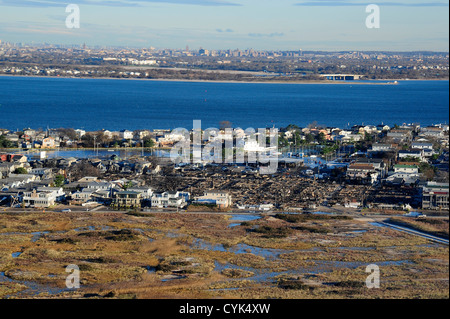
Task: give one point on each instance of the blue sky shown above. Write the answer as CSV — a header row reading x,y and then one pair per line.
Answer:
x,y
406,25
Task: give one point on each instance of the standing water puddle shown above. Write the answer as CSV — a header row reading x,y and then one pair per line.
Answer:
x,y
172,277
317,267
150,269
93,228
378,225
264,275
38,235
242,218
35,238
33,288
239,249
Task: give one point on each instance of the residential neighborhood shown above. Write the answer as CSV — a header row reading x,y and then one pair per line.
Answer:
x,y
362,166
222,157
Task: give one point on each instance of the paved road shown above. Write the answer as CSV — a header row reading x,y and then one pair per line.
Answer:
x,y
415,232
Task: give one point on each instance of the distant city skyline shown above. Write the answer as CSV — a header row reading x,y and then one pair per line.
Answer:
x,y
406,25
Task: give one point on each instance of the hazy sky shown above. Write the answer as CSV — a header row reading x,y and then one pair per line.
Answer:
x,y
406,25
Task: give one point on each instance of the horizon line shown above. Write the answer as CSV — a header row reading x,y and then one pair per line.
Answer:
x,y
235,49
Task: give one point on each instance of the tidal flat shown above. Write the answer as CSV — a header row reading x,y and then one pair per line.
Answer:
x,y
199,256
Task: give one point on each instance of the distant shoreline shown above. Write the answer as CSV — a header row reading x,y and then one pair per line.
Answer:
x,y
358,82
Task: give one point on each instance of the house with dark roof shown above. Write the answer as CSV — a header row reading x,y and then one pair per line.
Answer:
x,y
127,199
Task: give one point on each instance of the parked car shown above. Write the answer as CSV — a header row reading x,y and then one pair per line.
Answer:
x,y
415,214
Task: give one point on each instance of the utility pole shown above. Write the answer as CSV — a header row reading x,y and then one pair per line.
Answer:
x,y
95,141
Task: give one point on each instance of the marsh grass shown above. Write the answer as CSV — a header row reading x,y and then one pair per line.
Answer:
x,y
293,284
302,218
313,229
114,262
272,232
237,273
139,214
435,227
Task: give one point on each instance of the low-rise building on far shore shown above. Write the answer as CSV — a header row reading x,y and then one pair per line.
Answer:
x,y
435,196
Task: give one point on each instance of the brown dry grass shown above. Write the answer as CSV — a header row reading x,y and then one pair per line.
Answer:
x,y
120,266
438,227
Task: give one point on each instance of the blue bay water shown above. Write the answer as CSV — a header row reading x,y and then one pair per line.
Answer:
x,y
94,104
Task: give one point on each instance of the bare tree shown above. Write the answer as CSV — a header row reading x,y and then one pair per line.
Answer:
x,y
225,124
83,169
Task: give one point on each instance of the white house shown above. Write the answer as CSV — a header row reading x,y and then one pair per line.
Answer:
x,y
407,178
80,133
171,138
170,199
107,134
383,127
83,196
30,132
16,180
126,135
352,204
140,135
350,138
422,146
408,174
377,147
399,136
43,197
221,199
47,172
146,192
363,171
409,169
412,154
100,186
432,131
370,129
